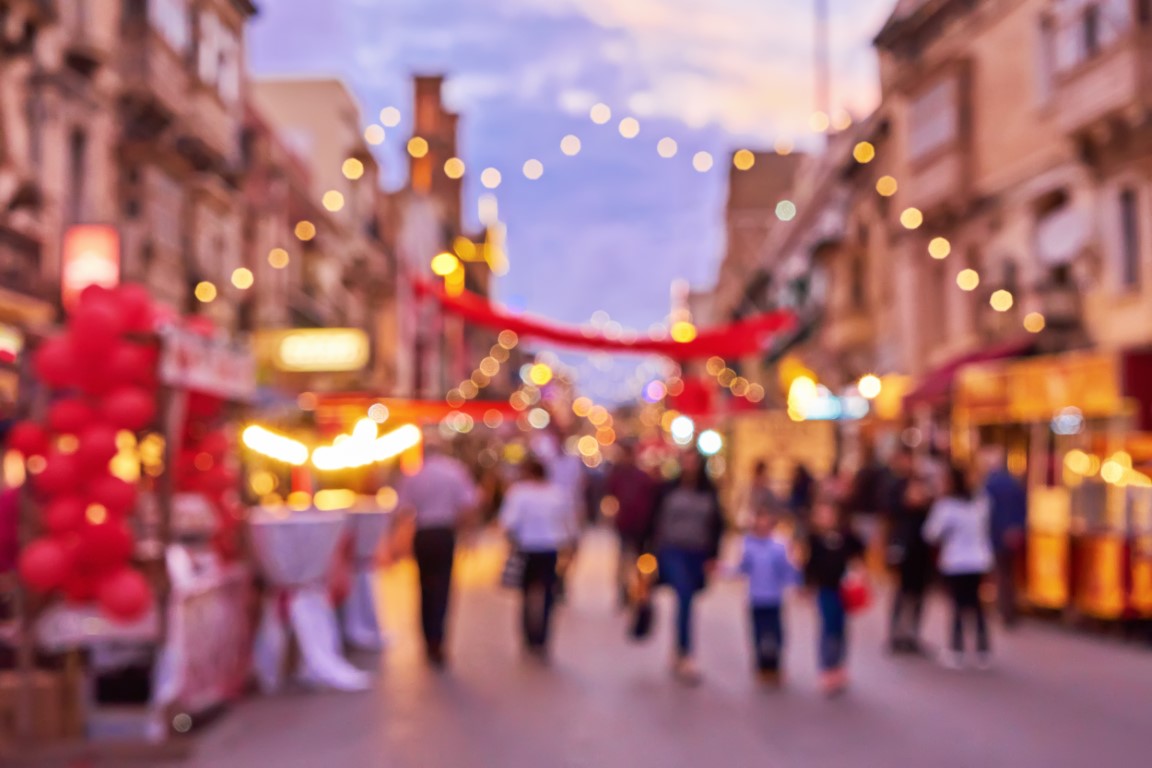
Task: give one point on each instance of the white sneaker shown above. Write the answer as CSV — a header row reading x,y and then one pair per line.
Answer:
x,y
952,660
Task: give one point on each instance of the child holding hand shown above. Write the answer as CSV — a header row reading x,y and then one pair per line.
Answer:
x,y
765,561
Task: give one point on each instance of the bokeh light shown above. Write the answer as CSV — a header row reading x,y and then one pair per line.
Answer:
x,y
886,186
533,169
667,147
242,278
911,218
870,386
784,146
819,122
374,135
629,127
939,248
600,114
205,292
418,146
785,210
305,230
444,264
1001,300
743,160
702,161
352,169
454,168
1034,322
390,117
968,279
333,201
278,258
864,152
490,178
570,145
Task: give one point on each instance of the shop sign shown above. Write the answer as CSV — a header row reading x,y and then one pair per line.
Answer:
x,y
320,350
90,256
194,362
11,342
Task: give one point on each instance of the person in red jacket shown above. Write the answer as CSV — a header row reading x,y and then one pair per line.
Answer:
x,y
635,492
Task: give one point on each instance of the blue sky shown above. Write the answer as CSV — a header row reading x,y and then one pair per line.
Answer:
x,y
613,227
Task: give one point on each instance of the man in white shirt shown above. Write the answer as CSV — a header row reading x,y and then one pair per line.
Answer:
x,y
438,497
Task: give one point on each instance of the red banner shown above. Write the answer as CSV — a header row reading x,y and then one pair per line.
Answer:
x,y
734,341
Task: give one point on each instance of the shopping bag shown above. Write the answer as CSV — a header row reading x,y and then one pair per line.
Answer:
x,y
512,576
855,592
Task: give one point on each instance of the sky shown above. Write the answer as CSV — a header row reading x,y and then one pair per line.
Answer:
x,y
611,228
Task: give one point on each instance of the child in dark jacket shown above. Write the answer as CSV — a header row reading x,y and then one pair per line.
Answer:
x,y
770,574
832,549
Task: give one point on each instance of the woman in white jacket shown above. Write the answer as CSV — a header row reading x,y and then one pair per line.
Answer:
x,y
960,524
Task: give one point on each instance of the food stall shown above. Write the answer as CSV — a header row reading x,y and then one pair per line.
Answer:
x,y
1071,427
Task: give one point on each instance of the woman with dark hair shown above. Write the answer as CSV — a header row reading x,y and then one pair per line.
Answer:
x,y
960,524
687,527
541,521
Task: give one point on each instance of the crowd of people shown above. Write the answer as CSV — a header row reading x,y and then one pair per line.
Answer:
x,y
935,522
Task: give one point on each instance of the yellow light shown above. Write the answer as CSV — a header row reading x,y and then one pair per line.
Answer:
x,y
305,230
599,415
911,218
1034,322
843,120
968,279
606,436
493,418
374,134
886,186
332,499
390,116
533,169
587,446
784,146
870,386
67,444
801,394
489,366
582,406
726,377
667,419
785,210
864,152
667,147
1001,300
278,258
540,374
755,393
242,278
629,127
353,169
468,389
387,498
454,282
361,451
299,501
683,332
609,507
570,145
320,349
274,446
714,366
490,178
205,292
96,514
600,114
819,122
444,264
1078,462
262,483
332,201
702,162
939,248
454,168
418,147
743,160
740,386
1112,471
508,339
646,564
465,249
455,398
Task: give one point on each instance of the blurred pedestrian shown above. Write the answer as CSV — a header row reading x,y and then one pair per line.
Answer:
x,y
765,561
832,549
800,493
959,523
541,523
438,497
908,553
688,525
635,493
756,496
1009,511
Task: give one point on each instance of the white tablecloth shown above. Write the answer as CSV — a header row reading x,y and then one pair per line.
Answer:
x,y
361,623
295,554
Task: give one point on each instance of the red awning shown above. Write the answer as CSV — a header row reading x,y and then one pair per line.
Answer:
x,y
935,387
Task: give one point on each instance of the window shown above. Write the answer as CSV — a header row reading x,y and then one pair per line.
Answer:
x,y
171,19
1045,59
934,118
1144,12
77,163
218,57
1130,239
1090,28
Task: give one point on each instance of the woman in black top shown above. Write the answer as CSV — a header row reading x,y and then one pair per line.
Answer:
x,y
832,549
911,557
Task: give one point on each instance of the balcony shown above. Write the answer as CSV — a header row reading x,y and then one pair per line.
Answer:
x,y
212,125
153,74
939,179
1110,83
90,32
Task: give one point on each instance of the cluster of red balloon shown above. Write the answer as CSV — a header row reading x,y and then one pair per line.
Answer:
x,y
204,467
102,370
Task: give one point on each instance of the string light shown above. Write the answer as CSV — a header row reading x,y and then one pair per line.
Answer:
x,y
374,134
667,147
305,230
785,210
533,169
352,169
1001,300
418,147
205,292
1034,322
968,279
819,122
702,161
911,218
939,248
570,145
864,152
490,178
784,146
242,278
600,114
454,168
333,201
390,117
629,127
743,160
886,186
278,258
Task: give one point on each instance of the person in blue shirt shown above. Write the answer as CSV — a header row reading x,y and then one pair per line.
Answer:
x,y
770,574
1009,501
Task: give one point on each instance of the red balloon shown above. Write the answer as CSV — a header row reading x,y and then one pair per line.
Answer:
x,y
61,473
44,565
96,447
112,493
64,515
132,364
94,327
136,306
215,443
55,363
125,595
93,293
69,416
217,480
130,408
103,547
80,587
204,406
29,438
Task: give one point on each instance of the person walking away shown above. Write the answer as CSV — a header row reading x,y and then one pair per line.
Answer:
x,y
770,573
1009,510
688,525
909,555
438,497
635,494
959,523
541,523
832,548
756,496
800,495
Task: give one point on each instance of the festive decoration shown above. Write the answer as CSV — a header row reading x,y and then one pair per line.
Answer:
x,y
68,417
44,565
112,493
29,438
53,363
103,546
96,446
64,514
61,473
132,408
125,595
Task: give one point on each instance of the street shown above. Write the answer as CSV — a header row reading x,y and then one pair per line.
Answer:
x,y
1054,699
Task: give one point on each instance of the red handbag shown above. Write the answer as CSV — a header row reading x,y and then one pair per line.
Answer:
x,y
855,593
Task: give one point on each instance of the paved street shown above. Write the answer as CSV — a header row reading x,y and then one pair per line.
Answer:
x,y
1055,699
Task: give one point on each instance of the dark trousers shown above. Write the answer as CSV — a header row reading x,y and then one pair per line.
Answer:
x,y
434,549
539,597
767,636
965,590
683,570
908,600
833,628
1006,560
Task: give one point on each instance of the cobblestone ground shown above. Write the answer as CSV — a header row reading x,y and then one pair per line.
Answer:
x,y
1054,699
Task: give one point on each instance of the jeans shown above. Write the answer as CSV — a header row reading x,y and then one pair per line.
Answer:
x,y
908,601
833,628
539,597
434,549
965,590
767,636
1006,560
683,570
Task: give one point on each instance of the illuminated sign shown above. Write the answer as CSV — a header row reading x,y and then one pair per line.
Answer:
x,y
11,342
90,256
317,350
